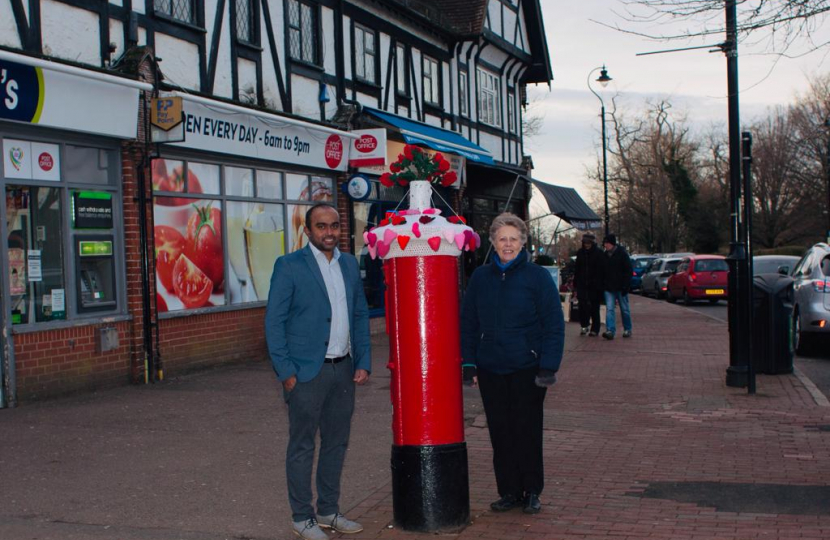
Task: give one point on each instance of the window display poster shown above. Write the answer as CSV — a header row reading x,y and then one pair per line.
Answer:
x,y
35,268
46,162
190,261
17,271
17,159
58,303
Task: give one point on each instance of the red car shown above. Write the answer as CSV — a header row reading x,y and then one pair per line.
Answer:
x,y
699,277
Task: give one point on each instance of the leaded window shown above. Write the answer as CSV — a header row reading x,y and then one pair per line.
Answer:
x,y
511,112
365,53
400,64
245,20
302,31
182,10
462,93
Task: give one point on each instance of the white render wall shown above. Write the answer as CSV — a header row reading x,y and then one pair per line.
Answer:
x,y
8,27
70,33
180,61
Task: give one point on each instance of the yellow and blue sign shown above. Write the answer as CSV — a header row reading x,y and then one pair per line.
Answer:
x,y
21,92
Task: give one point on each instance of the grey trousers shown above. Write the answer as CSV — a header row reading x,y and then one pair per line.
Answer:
x,y
324,403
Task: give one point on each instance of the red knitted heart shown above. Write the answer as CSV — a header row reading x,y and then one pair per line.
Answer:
x,y
403,240
426,219
397,220
434,243
457,219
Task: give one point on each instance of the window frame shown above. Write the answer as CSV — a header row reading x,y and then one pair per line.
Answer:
x,y
489,98
512,117
194,12
434,78
314,9
360,31
402,89
69,234
463,93
253,16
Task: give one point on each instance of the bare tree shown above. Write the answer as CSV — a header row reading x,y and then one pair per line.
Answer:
x,y
776,25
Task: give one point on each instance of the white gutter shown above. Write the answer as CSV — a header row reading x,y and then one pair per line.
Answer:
x,y
72,70
260,114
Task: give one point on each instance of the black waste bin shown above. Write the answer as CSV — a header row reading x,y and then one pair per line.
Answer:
x,y
772,324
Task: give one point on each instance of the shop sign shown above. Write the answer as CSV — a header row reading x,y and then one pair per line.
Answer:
x,y
395,148
95,248
166,112
45,97
31,160
213,130
92,210
369,149
358,188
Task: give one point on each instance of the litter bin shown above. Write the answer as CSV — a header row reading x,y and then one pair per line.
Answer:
x,y
772,324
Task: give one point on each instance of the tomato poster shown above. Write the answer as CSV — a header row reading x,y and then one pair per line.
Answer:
x,y
190,263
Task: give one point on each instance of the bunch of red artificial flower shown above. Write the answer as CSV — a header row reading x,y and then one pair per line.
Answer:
x,y
415,164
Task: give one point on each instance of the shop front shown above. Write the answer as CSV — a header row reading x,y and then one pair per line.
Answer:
x,y
64,294
228,200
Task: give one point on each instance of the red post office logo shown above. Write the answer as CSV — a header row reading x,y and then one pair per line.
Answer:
x,y
334,151
45,161
366,143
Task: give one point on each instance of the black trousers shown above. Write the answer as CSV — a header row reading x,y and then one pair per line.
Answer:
x,y
513,405
589,302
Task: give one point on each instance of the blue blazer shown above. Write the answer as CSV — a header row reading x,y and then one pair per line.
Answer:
x,y
298,317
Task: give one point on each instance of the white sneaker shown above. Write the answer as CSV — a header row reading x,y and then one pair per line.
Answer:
x,y
309,530
584,331
339,523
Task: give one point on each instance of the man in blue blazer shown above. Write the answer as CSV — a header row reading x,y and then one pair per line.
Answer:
x,y
317,329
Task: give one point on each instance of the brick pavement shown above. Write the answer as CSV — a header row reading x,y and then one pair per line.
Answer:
x,y
654,411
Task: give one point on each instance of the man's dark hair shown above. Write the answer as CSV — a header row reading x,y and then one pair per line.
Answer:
x,y
315,207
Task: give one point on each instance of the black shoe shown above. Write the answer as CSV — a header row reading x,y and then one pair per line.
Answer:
x,y
608,335
532,504
506,503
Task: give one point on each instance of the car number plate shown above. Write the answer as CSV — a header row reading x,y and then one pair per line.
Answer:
x,y
714,291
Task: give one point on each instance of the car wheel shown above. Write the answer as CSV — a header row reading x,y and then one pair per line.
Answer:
x,y
800,340
687,301
670,297
657,294
713,301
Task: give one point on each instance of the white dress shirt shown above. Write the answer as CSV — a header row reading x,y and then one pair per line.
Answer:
x,y
336,289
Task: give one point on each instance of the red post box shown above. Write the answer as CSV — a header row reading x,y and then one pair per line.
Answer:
x,y
420,248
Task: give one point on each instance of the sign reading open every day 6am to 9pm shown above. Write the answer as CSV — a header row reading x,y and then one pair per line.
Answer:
x,y
215,130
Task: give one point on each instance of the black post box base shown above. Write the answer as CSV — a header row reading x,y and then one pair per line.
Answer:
x,y
737,376
430,487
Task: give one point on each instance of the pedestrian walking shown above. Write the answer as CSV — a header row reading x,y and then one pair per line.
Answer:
x,y
317,329
616,284
588,280
512,338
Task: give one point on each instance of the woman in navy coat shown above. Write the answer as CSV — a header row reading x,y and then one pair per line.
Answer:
x,y
512,338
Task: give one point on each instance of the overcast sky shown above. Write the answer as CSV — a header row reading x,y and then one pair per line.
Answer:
x,y
695,81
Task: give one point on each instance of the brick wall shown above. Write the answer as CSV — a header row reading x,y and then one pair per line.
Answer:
x,y
56,362
200,341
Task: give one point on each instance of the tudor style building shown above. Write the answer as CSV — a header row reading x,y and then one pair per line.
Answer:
x,y
131,256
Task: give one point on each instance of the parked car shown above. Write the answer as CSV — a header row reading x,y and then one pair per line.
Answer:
x,y
774,264
699,277
639,263
656,275
811,310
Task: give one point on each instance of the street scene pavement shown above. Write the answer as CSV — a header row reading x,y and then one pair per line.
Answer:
x,y
642,440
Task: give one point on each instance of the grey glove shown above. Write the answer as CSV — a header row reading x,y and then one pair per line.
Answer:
x,y
467,374
545,378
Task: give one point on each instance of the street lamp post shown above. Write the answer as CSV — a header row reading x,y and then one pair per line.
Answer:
x,y
603,79
827,178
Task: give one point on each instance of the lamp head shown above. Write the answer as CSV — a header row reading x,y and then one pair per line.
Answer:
x,y
603,78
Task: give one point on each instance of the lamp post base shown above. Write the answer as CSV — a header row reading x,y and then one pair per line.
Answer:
x,y
737,376
430,487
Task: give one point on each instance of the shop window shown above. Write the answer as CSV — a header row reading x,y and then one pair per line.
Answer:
x,y
218,250
431,83
181,10
489,98
87,165
256,238
239,182
36,255
302,31
365,53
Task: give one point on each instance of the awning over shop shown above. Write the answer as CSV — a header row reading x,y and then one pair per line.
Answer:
x,y
436,138
566,204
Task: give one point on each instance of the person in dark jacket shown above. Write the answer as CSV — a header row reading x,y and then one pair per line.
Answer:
x,y
616,283
588,280
512,339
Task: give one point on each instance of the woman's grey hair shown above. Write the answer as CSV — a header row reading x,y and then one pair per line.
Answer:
x,y
511,220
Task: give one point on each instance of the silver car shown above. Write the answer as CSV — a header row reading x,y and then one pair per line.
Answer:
x,y
657,275
811,312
